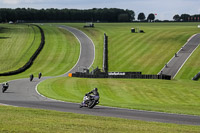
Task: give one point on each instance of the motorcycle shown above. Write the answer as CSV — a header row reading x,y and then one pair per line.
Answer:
x,y
4,88
89,101
31,77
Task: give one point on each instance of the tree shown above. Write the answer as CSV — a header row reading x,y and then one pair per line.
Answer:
x,y
141,16
151,17
77,15
184,17
176,17
123,18
131,14
195,18
0,18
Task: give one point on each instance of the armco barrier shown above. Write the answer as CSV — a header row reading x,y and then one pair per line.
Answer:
x,y
131,75
33,57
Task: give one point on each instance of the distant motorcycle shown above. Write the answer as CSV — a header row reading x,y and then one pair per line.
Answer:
x,y
89,101
5,87
31,77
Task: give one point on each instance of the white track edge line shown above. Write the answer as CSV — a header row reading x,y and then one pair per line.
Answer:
x,y
185,61
177,52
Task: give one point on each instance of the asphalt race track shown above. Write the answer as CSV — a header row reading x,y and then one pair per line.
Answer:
x,y
22,93
176,63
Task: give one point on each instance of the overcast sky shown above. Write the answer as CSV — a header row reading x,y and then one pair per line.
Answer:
x,y
165,9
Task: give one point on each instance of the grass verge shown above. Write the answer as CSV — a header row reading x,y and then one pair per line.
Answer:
x,y
15,119
177,96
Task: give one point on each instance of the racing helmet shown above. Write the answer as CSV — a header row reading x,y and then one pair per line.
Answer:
x,y
95,89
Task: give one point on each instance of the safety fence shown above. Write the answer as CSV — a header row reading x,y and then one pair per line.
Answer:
x,y
131,75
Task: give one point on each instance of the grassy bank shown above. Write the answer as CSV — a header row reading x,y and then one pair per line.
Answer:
x,y
127,52
18,43
59,55
147,52
181,97
32,120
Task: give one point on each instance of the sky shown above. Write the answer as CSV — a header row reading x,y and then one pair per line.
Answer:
x,y
165,9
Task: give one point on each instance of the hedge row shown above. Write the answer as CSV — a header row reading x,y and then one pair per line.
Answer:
x,y
31,60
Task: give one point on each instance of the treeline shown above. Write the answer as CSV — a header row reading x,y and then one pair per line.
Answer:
x,y
70,15
187,18
142,17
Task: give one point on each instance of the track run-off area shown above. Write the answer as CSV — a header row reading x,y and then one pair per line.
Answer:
x,y
23,93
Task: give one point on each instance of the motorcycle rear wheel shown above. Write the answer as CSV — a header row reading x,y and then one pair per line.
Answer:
x,y
3,90
91,104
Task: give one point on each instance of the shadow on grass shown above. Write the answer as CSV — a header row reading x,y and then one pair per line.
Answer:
x,y
4,37
3,29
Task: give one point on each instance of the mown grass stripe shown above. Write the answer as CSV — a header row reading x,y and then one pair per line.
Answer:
x,y
33,32
55,51
25,63
63,54
136,55
18,38
46,59
126,46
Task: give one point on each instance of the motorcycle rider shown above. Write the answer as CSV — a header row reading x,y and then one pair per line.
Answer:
x,y
31,77
94,96
95,93
39,75
5,86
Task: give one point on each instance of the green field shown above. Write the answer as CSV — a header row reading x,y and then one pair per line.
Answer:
x,y
177,96
127,52
24,120
147,52
18,43
59,55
